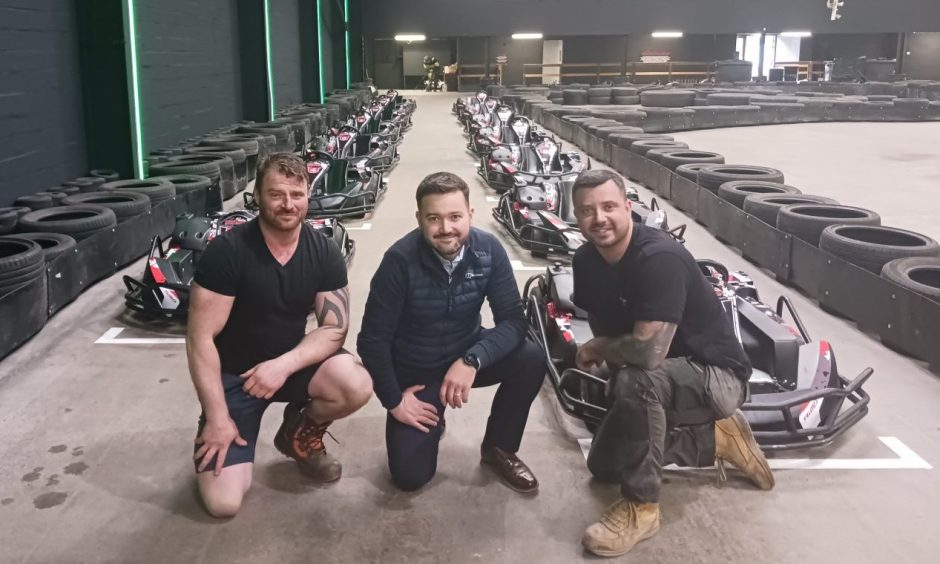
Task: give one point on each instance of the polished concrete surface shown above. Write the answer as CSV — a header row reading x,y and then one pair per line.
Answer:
x,y
95,461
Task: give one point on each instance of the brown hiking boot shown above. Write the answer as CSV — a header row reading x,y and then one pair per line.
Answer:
x,y
735,443
622,527
301,438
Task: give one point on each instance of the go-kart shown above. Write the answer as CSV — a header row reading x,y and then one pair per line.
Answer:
x,y
347,142
342,188
542,157
465,105
797,396
539,214
163,290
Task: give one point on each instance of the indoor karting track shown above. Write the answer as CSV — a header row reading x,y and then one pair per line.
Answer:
x,y
96,456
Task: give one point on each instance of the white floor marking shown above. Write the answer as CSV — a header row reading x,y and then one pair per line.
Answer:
x,y
492,199
907,460
110,337
363,227
517,265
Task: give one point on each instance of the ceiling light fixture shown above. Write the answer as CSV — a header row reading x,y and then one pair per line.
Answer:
x,y
667,34
410,37
796,34
526,35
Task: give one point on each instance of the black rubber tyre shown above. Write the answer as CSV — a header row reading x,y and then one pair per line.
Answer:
x,y
574,97
79,221
765,206
17,257
86,184
606,132
188,182
626,140
624,91
644,146
667,98
105,173
53,245
626,100
807,221
690,171
34,202
674,159
95,180
57,197
8,219
227,180
920,274
871,247
281,133
714,176
737,191
13,282
157,189
68,190
238,156
175,168
600,101
265,143
124,203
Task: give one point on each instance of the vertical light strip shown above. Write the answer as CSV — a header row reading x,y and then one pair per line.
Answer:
x,y
320,50
346,21
267,50
130,43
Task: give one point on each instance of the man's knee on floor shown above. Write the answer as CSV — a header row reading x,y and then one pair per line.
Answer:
x,y
222,504
411,479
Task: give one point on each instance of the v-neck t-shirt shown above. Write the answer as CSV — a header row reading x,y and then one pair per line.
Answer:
x,y
657,279
272,301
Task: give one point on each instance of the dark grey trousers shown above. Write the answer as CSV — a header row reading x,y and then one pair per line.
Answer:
x,y
661,417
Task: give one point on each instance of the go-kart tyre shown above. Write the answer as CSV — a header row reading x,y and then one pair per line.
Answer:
x,y
86,183
53,245
34,202
765,206
871,247
17,257
189,182
690,171
157,189
56,196
735,192
674,159
626,140
667,98
807,221
920,274
626,100
105,174
8,219
644,146
123,203
79,221
714,176
624,91
574,97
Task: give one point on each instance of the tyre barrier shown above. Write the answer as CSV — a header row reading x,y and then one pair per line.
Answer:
x,y
886,280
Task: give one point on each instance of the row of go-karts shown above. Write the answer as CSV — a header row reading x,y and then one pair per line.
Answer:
x,y
346,164
797,398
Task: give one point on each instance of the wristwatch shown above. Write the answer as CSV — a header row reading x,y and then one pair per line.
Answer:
x,y
471,359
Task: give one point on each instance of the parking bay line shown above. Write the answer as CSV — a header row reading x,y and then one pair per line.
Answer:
x,y
363,227
517,265
907,460
110,337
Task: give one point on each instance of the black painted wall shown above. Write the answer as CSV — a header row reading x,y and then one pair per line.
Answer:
x,y
593,48
921,57
519,51
286,26
42,138
694,47
826,47
385,18
190,73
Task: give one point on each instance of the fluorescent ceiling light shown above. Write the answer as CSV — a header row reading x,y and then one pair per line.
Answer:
x,y
666,34
796,34
410,37
526,35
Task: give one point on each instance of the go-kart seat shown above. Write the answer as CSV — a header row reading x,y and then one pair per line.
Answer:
x,y
562,288
530,196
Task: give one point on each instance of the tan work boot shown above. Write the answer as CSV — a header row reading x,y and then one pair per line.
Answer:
x,y
301,438
621,527
735,443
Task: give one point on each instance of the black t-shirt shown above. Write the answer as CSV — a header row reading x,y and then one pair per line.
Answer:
x,y
657,280
272,302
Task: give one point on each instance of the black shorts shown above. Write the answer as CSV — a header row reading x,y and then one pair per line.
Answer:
x,y
246,410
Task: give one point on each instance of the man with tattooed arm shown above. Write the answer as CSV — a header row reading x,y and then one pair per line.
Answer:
x,y
676,372
247,343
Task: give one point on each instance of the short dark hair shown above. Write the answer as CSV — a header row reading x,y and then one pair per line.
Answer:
x,y
287,164
441,183
594,178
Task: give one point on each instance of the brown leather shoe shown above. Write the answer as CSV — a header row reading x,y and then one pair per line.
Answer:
x,y
512,471
621,527
735,443
301,438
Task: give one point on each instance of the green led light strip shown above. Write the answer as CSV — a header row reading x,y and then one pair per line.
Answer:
x,y
320,50
130,33
267,49
346,21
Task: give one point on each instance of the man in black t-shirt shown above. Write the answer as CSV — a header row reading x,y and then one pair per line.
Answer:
x,y
677,373
247,343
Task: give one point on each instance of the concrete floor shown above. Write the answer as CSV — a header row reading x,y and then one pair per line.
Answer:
x,y
96,467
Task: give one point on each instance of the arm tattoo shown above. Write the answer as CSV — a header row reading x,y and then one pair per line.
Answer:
x,y
337,303
646,347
